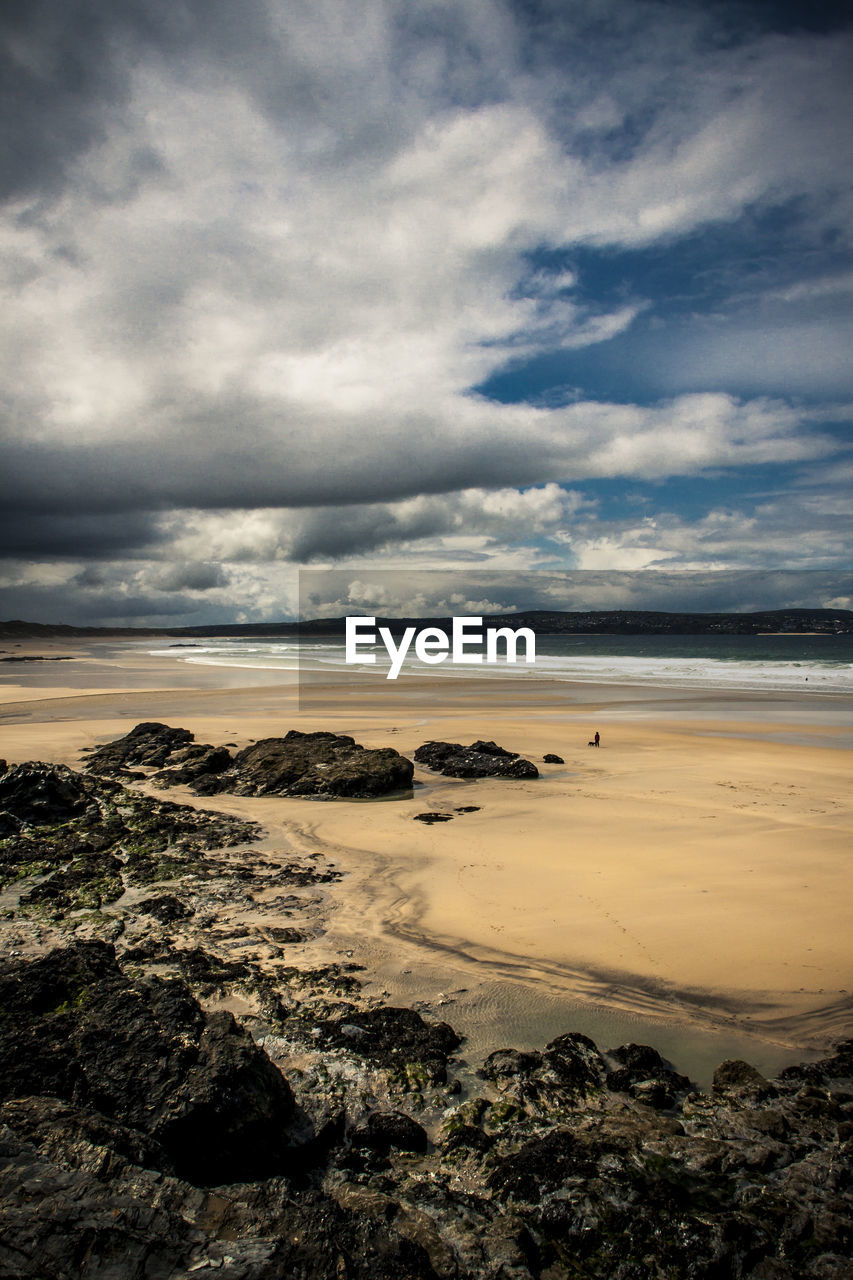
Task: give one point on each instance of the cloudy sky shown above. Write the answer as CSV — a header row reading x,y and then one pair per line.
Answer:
x,y
499,285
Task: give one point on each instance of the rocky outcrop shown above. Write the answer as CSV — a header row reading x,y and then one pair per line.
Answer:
x,y
480,760
325,765
149,744
193,764
570,1068
317,764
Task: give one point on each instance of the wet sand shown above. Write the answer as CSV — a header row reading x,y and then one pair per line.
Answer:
x,y
687,884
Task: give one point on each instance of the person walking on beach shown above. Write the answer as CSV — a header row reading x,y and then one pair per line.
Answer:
x,y
597,739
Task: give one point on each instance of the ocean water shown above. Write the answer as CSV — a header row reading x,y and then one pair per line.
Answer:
x,y
790,663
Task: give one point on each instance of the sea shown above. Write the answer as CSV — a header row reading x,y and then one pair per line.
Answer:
x,y
815,664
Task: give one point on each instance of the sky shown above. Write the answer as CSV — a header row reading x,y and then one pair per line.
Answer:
x,y
484,286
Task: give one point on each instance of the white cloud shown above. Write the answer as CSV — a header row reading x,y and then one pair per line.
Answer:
x,y
279,256
804,533
243,268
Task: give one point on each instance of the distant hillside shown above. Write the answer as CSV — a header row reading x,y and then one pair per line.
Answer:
x,y
543,622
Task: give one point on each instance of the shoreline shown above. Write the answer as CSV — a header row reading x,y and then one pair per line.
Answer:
x,y
424,880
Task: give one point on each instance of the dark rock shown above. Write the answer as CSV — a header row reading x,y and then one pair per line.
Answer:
x,y
294,874
646,1075
733,1075
58,1128
395,1037
430,818
509,1063
141,1100
144,1055
208,971
37,794
124,1101
148,744
839,1066
286,935
656,1092
179,759
468,808
480,760
92,880
193,763
550,758
92,837
299,764
385,1130
468,1138
574,1062
166,908
567,1071
541,1166
316,764
38,657
77,1209
229,1118
492,749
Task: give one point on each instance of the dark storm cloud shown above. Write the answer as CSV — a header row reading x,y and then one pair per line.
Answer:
x,y
355,530
239,459
76,535
236,470
191,576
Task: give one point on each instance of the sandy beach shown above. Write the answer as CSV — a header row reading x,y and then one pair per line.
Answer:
x,y
687,884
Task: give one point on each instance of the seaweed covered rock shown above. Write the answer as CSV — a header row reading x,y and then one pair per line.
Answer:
x,y
143,1054
387,1130
394,1037
648,1077
568,1071
480,760
838,1065
165,908
740,1078
91,837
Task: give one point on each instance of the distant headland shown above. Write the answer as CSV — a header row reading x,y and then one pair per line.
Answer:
x,y
542,622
